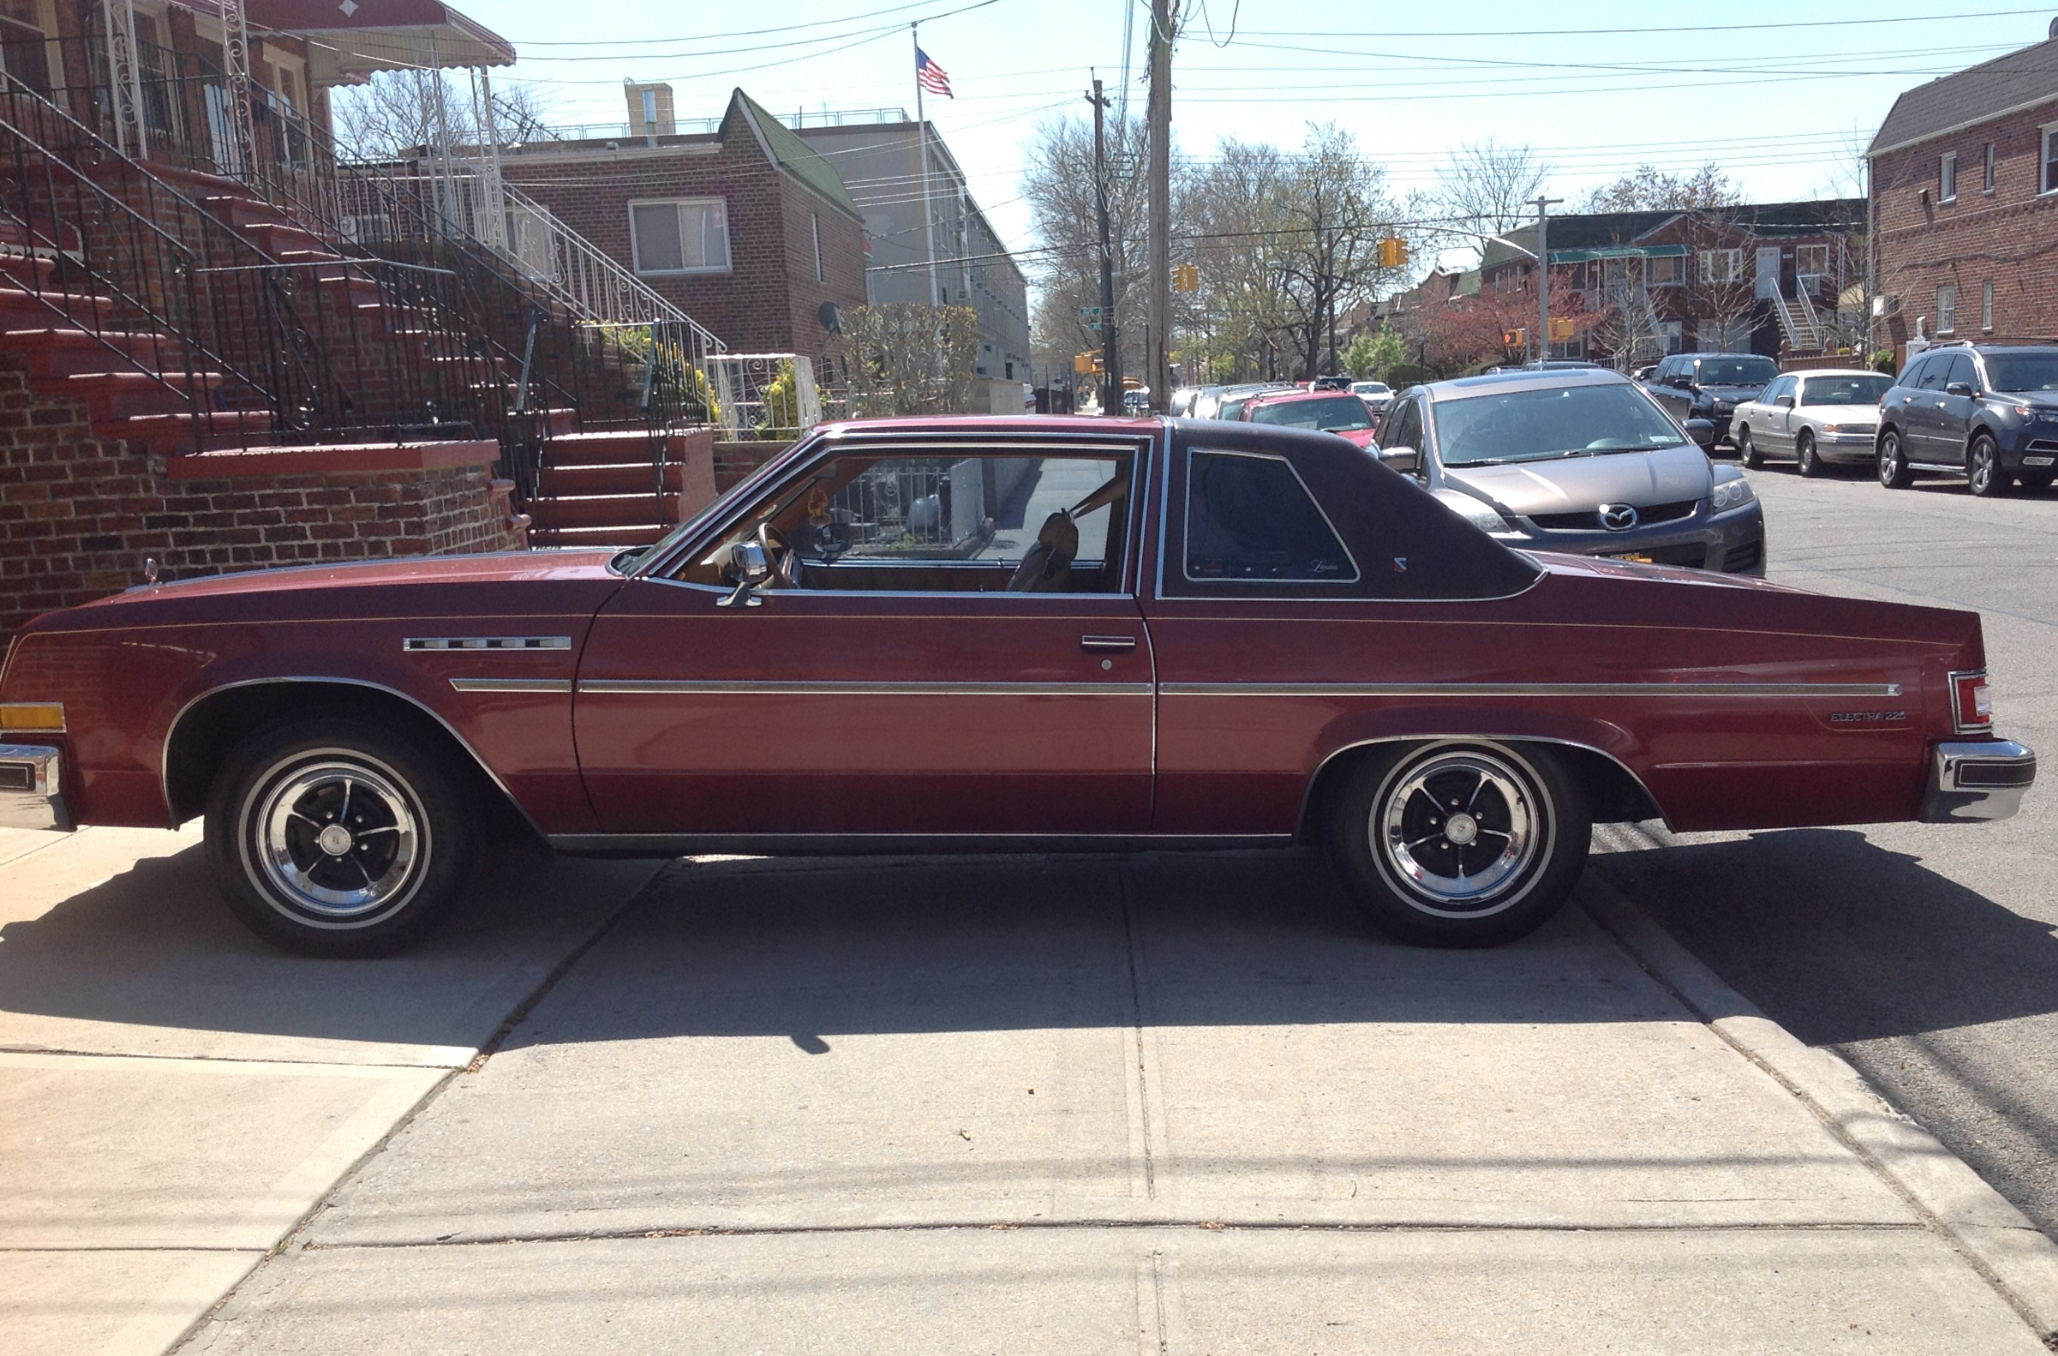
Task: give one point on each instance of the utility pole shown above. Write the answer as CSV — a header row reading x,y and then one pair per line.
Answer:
x,y
1543,276
1111,362
1163,14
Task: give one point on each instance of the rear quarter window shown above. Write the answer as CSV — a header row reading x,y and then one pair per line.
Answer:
x,y
1249,517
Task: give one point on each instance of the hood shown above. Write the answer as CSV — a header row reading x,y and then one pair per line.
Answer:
x,y
497,567
1360,438
1733,392
1667,476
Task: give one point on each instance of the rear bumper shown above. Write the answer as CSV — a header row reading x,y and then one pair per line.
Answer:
x,y
32,788
1976,780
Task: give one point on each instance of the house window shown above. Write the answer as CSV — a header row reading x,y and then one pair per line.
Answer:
x,y
1672,334
814,221
2047,181
1811,259
1947,177
1987,181
1986,306
1662,271
1947,309
688,236
1722,266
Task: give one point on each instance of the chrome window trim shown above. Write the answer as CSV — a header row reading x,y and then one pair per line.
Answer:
x,y
772,595
1186,523
511,684
828,688
495,644
1462,690
171,732
897,844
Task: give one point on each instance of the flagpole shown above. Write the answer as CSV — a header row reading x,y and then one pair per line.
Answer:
x,y
922,149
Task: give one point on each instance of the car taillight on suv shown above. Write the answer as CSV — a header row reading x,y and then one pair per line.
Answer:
x,y
1971,708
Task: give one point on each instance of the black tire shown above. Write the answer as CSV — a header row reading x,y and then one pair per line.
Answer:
x,y
409,834
1984,474
1420,870
1893,465
1746,450
1804,453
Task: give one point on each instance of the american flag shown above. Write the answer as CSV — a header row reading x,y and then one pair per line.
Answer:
x,y
931,76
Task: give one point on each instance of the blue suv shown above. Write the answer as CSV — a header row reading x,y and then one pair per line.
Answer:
x,y
1982,411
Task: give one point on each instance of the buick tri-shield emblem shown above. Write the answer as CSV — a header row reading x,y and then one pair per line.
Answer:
x,y
1618,517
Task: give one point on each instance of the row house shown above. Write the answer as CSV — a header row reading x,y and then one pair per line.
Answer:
x,y
1964,197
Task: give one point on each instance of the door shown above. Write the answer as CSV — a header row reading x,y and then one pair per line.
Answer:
x,y
1922,412
1955,407
951,645
1768,272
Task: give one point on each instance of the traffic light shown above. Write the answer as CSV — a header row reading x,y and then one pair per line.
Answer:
x,y
1185,278
1518,338
1087,364
1561,330
1393,252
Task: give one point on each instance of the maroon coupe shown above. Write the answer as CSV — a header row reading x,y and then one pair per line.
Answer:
x,y
995,635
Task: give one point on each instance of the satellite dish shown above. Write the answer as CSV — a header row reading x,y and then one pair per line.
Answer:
x,y
2053,30
831,318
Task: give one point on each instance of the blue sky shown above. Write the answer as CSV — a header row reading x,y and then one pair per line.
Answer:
x,y
1782,106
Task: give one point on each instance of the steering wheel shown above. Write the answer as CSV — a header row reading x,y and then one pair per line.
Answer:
x,y
780,555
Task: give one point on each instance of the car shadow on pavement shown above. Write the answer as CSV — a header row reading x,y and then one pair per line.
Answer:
x,y
1841,940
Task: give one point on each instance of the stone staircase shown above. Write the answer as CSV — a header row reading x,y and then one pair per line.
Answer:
x,y
601,489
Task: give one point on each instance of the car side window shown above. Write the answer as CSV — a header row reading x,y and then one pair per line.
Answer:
x,y
1250,518
1928,374
1784,386
1961,370
1404,428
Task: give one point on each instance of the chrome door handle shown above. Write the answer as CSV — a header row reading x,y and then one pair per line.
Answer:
x,y
1123,643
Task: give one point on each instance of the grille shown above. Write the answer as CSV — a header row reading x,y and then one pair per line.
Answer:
x,y
1590,519
1743,557
2043,444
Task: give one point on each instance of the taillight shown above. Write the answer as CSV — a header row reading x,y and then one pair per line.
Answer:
x,y
1971,709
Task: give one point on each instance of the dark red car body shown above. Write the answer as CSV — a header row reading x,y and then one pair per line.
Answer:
x,y
667,723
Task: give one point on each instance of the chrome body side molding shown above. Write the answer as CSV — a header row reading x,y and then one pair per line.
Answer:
x,y
828,688
498,644
563,685
894,844
1530,690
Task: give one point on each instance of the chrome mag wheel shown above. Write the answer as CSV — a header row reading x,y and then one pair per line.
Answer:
x,y
337,840
1459,830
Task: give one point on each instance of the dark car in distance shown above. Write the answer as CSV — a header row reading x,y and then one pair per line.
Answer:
x,y
1710,385
1987,412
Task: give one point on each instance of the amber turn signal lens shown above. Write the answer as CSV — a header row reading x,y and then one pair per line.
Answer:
x,y
32,717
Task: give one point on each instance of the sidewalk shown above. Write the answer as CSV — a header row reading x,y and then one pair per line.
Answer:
x,y
1060,1104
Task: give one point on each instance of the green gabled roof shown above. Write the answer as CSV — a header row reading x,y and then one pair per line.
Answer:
x,y
788,151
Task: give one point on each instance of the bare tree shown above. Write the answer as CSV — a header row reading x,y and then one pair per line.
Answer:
x,y
394,115
1647,188
1334,213
908,358
1485,190
1059,188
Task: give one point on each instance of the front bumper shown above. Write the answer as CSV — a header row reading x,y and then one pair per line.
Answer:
x,y
32,788
1976,780
1732,542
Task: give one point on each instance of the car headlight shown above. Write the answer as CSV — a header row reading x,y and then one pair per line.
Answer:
x,y
1480,515
1723,407
1731,494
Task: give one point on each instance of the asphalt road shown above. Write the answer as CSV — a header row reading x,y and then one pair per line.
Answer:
x,y
1923,954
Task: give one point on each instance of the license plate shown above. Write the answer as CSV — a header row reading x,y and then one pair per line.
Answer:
x,y
1636,556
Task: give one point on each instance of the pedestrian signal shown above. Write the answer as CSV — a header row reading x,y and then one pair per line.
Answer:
x,y
1515,338
1561,331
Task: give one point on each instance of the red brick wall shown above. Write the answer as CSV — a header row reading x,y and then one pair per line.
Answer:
x,y
2008,237
735,461
79,514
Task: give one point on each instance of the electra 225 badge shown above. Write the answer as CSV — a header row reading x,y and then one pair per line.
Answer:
x,y
1866,717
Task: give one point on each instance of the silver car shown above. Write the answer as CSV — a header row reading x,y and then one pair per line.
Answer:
x,y
1815,418
1583,462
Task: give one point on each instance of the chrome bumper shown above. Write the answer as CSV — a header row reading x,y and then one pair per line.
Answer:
x,y
31,789
1977,780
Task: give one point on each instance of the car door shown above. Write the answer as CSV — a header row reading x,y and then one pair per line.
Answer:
x,y
1921,413
897,676
1955,408
1664,385
1770,427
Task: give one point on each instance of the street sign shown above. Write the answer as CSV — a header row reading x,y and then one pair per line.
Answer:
x,y
1089,315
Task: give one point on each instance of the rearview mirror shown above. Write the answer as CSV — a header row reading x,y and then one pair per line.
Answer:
x,y
1702,432
1785,402
1406,460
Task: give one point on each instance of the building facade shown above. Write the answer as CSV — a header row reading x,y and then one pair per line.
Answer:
x,y
745,228
1964,197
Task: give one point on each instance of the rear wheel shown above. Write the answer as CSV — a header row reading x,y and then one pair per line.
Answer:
x,y
1893,463
1746,450
1459,842
1984,473
338,837
1804,451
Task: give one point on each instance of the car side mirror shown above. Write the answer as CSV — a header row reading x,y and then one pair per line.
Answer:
x,y
1702,432
1958,388
751,567
1785,402
1406,460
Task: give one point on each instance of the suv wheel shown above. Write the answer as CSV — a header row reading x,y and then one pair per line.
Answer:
x,y
1983,470
1893,467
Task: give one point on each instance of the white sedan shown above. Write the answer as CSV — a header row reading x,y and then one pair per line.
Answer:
x,y
1815,418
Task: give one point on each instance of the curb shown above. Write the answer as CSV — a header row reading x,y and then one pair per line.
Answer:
x,y
2011,1253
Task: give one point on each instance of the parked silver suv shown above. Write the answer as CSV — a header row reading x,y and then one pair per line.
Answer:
x,y
1583,462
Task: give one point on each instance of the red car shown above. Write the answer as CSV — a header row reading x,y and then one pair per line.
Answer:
x,y
1337,412
995,635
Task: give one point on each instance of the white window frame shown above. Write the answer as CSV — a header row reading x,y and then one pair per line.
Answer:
x,y
1947,308
1986,306
1733,260
2047,159
1678,277
1809,252
636,246
1947,177
814,222
1988,175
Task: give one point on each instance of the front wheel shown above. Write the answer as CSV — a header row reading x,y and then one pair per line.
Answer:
x,y
1893,463
1804,451
1984,473
1747,451
1459,843
338,837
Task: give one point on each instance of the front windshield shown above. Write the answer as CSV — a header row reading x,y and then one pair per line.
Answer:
x,y
1553,422
1337,412
1844,390
2023,371
1738,371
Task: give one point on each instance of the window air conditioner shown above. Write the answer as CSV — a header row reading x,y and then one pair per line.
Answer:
x,y
1886,304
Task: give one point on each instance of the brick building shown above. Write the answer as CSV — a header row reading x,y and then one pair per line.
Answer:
x,y
1965,205
745,227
